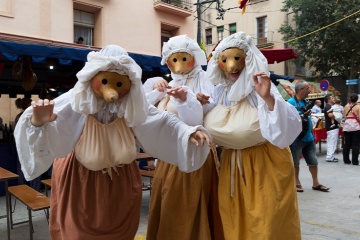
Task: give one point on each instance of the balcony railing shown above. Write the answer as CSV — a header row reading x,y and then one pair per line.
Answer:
x,y
178,7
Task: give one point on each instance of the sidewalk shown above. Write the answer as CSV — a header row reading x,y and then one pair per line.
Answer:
x,y
332,215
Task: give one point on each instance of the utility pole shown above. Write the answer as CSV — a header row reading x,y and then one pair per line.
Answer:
x,y
198,10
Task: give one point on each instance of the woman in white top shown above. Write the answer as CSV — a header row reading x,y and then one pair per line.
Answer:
x,y
351,130
255,126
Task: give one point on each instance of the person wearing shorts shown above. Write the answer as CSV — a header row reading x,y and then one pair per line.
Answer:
x,y
305,146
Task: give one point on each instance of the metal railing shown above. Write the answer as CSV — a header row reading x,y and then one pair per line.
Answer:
x,y
184,4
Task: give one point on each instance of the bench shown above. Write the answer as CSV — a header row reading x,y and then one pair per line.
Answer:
x,y
5,176
32,199
148,174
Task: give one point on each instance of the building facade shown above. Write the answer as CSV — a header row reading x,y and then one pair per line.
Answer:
x,y
138,26
261,20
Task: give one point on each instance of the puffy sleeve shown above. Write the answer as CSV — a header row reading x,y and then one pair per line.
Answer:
x,y
282,125
167,138
38,146
153,95
189,111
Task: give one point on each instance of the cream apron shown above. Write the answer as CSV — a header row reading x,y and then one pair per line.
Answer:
x,y
97,205
257,197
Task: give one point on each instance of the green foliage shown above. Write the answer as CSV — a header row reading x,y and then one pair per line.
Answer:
x,y
202,46
332,51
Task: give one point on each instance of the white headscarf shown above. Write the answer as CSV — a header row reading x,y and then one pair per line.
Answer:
x,y
255,62
183,43
112,58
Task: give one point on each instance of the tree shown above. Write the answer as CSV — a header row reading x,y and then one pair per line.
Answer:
x,y
333,51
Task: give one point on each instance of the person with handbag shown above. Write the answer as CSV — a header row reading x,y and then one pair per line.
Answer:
x,y
351,130
304,144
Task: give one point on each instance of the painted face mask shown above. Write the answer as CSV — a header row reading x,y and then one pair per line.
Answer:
x,y
181,63
232,62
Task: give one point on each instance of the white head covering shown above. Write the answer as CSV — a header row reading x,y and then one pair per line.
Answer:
x,y
112,58
183,43
255,62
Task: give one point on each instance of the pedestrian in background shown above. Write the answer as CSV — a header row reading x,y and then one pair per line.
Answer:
x,y
352,130
317,107
304,145
332,129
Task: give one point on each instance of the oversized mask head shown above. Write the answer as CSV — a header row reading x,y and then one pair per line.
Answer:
x,y
110,86
181,63
232,62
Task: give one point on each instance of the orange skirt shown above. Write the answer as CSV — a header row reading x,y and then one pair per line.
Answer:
x,y
264,205
89,205
184,205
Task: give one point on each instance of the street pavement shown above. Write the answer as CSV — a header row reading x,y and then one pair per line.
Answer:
x,y
333,215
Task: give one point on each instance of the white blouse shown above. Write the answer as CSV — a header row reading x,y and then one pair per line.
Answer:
x,y
162,135
190,111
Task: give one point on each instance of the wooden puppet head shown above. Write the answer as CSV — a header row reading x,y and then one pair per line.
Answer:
x,y
232,62
110,86
181,62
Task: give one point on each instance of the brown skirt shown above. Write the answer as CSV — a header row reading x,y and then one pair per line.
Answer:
x,y
89,205
184,205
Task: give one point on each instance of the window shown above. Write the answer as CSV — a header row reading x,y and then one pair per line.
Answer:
x,y
84,24
208,33
232,28
220,31
262,30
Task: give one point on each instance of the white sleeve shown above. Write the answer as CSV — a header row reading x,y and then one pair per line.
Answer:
x,y
282,125
165,137
189,111
153,95
38,146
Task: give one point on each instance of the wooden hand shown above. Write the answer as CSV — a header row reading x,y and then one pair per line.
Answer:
x,y
202,98
161,85
42,112
178,92
200,136
263,89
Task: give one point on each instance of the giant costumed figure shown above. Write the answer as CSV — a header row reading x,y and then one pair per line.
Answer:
x,y
254,125
92,132
184,205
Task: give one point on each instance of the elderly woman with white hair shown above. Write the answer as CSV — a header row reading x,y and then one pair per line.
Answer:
x,y
254,125
184,205
93,130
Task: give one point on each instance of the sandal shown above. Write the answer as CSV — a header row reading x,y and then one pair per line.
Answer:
x,y
321,188
299,188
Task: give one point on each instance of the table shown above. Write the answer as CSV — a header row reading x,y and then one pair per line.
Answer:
x,y
320,135
5,176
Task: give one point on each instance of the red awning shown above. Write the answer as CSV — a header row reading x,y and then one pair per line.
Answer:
x,y
279,55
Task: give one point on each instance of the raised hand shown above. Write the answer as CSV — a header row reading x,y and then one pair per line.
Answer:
x,y
202,98
161,85
200,136
263,89
178,92
42,112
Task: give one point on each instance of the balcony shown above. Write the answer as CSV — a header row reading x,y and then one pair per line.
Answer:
x,y
177,7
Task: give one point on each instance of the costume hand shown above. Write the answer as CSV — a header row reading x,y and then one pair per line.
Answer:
x,y
161,85
199,135
263,88
202,98
178,92
42,112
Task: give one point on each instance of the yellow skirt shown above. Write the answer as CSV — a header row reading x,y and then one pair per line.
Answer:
x,y
264,205
184,206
